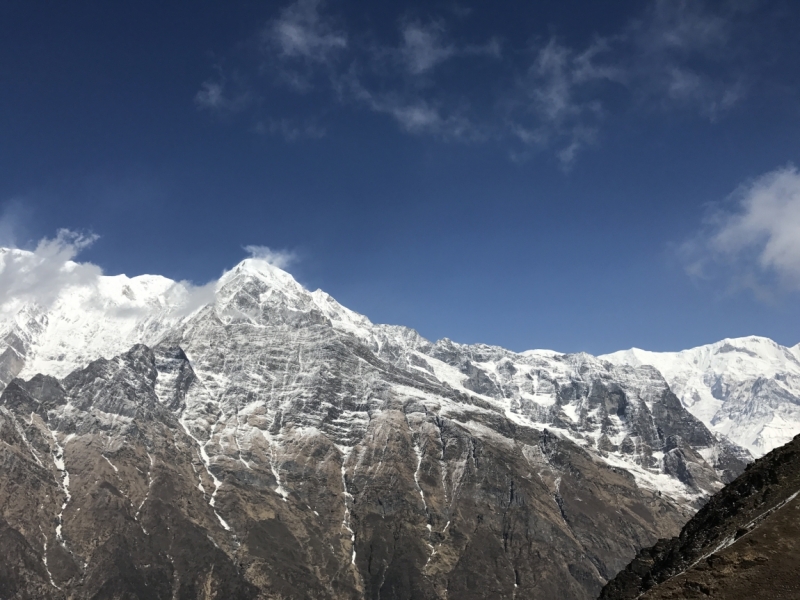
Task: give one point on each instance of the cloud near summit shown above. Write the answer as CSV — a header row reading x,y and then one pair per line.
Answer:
x,y
277,258
40,275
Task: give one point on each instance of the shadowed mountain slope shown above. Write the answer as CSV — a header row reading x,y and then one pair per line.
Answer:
x,y
742,544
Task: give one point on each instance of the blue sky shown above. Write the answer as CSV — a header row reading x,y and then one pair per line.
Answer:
x,y
570,175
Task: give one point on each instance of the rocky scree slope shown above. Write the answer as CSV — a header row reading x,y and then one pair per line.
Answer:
x,y
742,544
274,444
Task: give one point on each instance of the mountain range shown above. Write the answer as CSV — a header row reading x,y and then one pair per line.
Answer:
x,y
252,439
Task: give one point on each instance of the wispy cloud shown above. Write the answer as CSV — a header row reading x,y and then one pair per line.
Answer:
x,y
756,242
277,258
301,47
683,55
414,114
214,95
400,81
423,47
426,45
680,26
675,55
302,32
558,101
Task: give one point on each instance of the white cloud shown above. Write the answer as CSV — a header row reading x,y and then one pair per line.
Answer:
x,y
301,32
768,221
185,297
680,26
416,118
552,83
39,275
425,46
677,54
585,66
277,258
758,241
579,137
419,117
414,114
685,87
303,46
210,95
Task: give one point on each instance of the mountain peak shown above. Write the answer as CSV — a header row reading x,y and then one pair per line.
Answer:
x,y
746,388
263,270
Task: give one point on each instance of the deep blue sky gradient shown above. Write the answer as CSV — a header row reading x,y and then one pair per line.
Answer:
x,y
479,239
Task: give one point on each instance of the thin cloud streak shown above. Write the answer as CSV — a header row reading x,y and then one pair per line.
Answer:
x,y
423,47
301,32
684,56
426,45
214,96
559,108
414,115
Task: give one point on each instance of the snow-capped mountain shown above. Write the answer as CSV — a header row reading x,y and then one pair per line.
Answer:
x,y
98,317
269,442
543,389
747,389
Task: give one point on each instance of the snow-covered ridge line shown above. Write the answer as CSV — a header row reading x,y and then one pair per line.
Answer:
x,y
106,316
747,389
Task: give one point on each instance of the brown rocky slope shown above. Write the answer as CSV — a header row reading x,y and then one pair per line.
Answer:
x,y
742,544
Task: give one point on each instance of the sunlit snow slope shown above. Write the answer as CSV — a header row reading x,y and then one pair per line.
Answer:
x,y
747,389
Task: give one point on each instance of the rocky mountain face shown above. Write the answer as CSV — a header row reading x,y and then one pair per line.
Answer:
x,y
273,444
742,544
747,389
